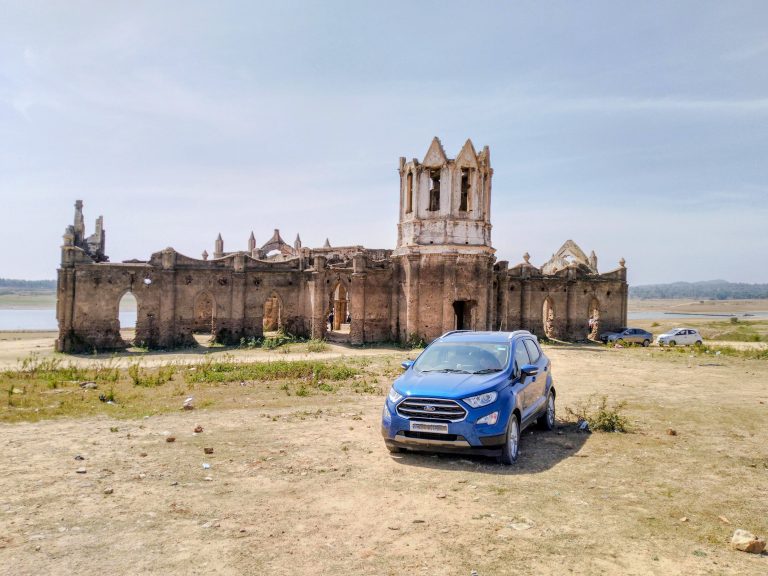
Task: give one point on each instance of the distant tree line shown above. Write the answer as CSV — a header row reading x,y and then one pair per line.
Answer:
x,y
707,290
8,285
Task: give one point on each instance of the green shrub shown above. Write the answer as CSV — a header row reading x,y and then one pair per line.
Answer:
x,y
599,415
150,378
317,345
230,371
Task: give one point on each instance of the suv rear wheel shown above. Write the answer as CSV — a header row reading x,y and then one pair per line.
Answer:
x,y
547,420
512,446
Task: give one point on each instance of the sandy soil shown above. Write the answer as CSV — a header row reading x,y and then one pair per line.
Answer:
x,y
304,486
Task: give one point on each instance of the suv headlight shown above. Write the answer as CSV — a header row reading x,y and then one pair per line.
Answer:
x,y
481,399
394,396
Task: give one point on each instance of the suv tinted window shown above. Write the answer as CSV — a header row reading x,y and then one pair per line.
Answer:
x,y
521,357
533,350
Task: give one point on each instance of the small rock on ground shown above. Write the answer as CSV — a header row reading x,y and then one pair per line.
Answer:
x,y
747,542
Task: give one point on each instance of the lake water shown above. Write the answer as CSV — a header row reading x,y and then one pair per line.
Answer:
x,y
45,319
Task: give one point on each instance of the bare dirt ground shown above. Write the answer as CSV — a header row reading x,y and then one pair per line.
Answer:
x,y
304,485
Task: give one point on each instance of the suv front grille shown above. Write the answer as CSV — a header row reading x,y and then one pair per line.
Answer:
x,y
431,409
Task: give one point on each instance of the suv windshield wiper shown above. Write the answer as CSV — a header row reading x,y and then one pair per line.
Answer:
x,y
487,371
451,370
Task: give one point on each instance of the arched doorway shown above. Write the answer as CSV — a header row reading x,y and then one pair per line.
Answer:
x,y
273,314
462,314
127,316
548,317
339,305
593,320
204,313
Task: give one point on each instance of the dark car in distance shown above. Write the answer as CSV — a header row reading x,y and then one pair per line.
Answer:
x,y
627,336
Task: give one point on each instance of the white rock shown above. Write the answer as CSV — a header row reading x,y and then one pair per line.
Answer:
x,y
747,542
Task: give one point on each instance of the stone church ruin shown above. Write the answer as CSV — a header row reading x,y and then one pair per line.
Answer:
x,y
442,275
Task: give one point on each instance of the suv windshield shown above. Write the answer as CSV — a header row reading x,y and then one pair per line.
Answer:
x,y
464,357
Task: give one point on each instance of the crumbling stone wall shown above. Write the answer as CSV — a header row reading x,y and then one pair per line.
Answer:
x,y
442,275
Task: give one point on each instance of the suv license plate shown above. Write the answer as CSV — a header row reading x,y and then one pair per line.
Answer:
x,y
429,427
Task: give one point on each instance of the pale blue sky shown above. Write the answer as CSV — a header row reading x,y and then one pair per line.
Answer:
x,y
636,129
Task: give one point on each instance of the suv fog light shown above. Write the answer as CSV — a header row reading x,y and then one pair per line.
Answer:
x,y
490,419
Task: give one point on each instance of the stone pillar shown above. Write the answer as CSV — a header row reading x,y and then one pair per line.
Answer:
x,y
502,313
65,308
449,290
238,306
525,301
317,288
490,295
166,337
572,323
624,303
357,302
394,306
412,295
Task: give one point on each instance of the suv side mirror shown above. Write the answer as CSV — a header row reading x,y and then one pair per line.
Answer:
x,y
407,364
529,370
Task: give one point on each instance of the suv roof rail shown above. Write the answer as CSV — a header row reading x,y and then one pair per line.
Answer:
x,y
522,333
453,332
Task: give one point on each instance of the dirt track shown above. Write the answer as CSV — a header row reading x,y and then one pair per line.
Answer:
x,y
305,486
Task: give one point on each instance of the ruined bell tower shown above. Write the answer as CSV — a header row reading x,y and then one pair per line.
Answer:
x,y
445,203
444,242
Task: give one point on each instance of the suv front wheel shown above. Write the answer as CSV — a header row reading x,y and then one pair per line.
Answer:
x,y
512,446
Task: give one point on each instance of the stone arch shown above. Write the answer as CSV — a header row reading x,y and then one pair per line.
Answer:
x,y
593,316
204,313
274,312
548,317
339,304
127,313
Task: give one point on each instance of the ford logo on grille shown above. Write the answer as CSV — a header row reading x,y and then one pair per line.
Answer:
x,y
430,408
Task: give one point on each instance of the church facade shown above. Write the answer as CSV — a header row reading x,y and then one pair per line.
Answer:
x,y
442,275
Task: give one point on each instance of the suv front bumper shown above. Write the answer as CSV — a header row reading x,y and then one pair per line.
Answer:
x,y
464,437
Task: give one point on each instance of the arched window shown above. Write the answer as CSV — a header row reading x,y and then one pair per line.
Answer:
x,y
464,199
409,193
434,190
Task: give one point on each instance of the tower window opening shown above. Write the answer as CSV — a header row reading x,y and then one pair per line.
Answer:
x,y
465,186
409,193
434,191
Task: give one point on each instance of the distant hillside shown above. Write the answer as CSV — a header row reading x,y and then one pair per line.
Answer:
x,y
707,290
10,286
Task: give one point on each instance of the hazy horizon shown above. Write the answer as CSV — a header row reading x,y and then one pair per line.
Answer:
x,y
638,131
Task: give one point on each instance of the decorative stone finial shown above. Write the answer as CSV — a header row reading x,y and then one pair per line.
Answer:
x,y
205,254
251,243
327,243
622,263
218,249
526,257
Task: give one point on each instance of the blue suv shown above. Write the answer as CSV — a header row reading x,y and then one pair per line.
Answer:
x,y
471,392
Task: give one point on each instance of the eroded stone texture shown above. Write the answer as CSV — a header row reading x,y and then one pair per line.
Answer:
x,y
442,275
